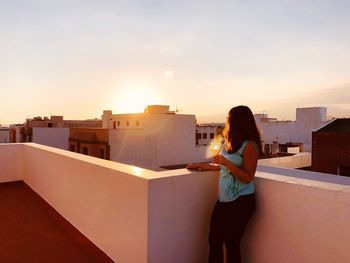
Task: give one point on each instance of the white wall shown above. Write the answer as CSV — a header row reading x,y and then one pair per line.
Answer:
x,y
11,162
307,120
136,215
179,212
207,130
160,140
54,137
295,161
4,136
106,201
298,220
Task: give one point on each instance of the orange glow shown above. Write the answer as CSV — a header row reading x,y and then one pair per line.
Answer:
x,y
134,96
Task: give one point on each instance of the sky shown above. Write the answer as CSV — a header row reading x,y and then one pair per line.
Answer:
x,y
77,58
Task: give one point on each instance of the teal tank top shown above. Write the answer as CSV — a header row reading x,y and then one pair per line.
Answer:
x,y
230,188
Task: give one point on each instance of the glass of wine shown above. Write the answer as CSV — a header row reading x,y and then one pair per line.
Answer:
x,y
215,148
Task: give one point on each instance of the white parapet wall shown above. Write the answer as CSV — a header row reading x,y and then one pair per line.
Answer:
x,y
295,161
11,162
179,210
137,215
298,220
104,200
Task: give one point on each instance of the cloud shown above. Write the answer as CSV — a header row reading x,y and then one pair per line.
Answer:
x,y
338,95
336,99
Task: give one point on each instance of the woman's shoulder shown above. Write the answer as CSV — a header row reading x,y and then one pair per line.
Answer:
x,y
246,144
251,147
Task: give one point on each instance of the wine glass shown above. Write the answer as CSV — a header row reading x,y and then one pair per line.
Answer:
x,y
215,148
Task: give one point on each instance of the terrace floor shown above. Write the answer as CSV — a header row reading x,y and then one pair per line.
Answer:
x,y
32,231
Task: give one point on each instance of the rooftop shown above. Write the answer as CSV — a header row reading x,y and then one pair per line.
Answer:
x,y
338,125
136,216
32,231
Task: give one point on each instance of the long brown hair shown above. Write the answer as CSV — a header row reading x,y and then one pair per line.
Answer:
x,y
240,126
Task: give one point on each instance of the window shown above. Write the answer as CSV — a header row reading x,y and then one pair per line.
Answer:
x,y
49,125
204,136
114,125
127,123
198,136
118,123
85,150
137,123
212,135
102,153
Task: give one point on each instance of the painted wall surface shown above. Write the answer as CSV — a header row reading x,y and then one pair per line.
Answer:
x,y
307,120
136,215
206,131
11,162
54,137
179,213
294,161
298,220
4,135
159,140
103,200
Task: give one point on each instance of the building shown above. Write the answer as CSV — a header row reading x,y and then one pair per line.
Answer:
x,y
26,132
298,131
331,148
155,138
134,215
4,135
206,133
90,141
7,135
53,131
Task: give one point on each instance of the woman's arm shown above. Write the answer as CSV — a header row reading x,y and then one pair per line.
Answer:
x,y
250,162
203,167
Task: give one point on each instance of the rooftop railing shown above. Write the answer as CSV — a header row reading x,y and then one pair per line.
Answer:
x,y
138,215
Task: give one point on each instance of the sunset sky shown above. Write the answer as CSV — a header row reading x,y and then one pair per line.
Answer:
x,y
77,58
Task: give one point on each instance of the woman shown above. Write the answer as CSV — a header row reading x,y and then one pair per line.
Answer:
x,y
237,163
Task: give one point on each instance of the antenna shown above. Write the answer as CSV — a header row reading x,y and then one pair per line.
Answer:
x,y
177,109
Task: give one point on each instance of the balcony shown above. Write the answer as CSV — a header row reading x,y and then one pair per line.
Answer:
x,y
137,215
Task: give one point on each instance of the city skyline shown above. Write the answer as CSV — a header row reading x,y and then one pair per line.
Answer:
x,y
78,59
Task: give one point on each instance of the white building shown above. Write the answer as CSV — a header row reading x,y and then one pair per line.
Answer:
x,y
299,131
158,137
206,133
4,135
54,137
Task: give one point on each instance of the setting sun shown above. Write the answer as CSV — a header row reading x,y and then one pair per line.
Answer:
x,y
134,96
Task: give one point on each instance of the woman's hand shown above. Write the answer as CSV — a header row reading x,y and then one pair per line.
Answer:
x,y
220,159
202,167
194,166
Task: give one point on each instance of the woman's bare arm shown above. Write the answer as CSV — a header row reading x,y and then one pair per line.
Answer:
x,y
202,167
250,161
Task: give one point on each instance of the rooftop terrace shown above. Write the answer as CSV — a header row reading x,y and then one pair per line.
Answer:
x,y
32,231
137,215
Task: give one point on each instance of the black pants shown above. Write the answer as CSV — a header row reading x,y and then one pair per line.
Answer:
x,y
227,226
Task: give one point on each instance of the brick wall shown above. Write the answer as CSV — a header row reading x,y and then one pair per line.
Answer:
x,y
330,150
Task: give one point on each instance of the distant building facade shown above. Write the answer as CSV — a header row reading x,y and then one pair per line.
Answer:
x,y
206,133
331,148
158,137
53,131
295,132
4,135
90,141
26,131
